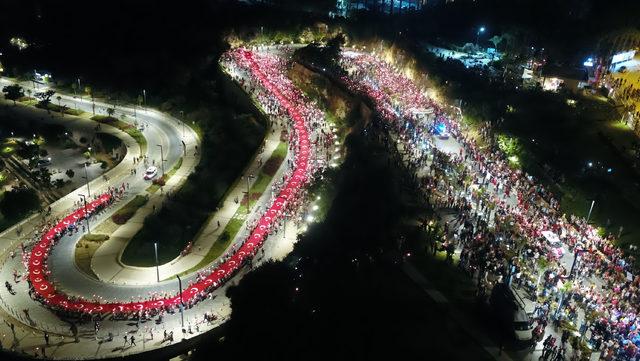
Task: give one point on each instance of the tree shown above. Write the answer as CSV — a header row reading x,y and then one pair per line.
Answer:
x,y
333,47
45,99
13,92
496,40
59,98
44,175
70,173
110,111
19,202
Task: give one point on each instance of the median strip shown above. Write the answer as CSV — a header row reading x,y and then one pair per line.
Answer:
x,y
267,172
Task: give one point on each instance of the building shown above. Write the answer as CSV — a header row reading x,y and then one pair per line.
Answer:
x,y
346,7
554,78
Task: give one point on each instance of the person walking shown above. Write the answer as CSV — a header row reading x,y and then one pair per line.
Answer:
x,y
133,341
126,341
46,338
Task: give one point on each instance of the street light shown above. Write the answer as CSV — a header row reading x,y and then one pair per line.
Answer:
x,y
248,193
182,116
480,30
144,96
181,304
155,249
86,217
161,158
593,202
86,176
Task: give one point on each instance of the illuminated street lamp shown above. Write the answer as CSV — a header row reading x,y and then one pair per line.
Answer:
x,y
480,30
155,250
86,217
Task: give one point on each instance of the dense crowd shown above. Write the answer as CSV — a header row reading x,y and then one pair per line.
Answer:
x,y
264,77
503,215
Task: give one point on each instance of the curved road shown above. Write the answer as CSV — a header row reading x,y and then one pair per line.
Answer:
x,y
20,308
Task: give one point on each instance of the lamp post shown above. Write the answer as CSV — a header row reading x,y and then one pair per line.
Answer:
x,y
144,97
182,116
480,30
593,202
86,177
248,193
155,250
161,158
181,303
86,217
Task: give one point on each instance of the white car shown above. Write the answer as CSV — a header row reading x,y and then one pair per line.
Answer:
x,y
150,173
556,249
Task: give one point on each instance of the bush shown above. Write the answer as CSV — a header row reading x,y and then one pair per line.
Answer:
x,y
70,173
160,181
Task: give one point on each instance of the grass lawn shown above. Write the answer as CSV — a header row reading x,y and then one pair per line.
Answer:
x,y
85,250
235,223
56,108
559,142
122,215
181,219
154,187
124,126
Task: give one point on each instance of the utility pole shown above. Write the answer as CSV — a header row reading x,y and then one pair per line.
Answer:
x,y
248,193
86,176
181,304
155,249
182,116
161,158
86,217
593,202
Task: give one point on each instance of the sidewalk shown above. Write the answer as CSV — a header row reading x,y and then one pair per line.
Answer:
x,y
106,262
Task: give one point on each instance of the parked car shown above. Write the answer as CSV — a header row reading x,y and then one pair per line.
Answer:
x,y
150,173
44,161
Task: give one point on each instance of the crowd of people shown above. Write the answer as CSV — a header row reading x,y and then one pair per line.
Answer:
x,y
503,215
264,78
627,93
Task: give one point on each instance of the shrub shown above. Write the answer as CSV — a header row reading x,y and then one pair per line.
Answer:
x,y
70,173
160,181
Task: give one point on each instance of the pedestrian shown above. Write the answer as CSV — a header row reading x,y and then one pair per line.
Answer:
x,y
46,338
133,341
126,341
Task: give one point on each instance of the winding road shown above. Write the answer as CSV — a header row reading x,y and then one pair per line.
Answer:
x,y
63,292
